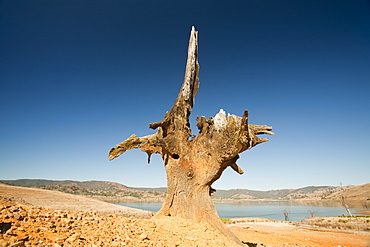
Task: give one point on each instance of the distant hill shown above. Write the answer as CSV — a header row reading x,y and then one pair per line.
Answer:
x,y
314,192
92,185
360,192
251,194
159,189
104,189
88,188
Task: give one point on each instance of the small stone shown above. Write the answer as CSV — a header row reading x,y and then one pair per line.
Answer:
x,y
18,217
73,238
22,237
18,244
59,239
143,236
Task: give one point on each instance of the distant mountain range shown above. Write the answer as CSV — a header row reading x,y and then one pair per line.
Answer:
x,y
99,189
107,190
286,194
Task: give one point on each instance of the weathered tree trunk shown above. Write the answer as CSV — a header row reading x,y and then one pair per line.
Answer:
x,y
194,163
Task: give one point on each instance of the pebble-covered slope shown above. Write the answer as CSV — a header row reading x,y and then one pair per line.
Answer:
x,y
25,225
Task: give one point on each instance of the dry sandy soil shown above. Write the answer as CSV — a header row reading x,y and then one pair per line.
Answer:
x,y
33,217
278,233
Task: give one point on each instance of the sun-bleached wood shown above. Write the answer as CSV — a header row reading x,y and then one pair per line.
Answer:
x,y
192,162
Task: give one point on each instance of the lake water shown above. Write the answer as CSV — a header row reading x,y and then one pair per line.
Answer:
x,y
271,210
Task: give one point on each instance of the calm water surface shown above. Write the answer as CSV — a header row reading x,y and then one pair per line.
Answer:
x,y
270,210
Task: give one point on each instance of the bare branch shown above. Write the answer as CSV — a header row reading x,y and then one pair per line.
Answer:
x,y
130,143
255,130
261,129
237,168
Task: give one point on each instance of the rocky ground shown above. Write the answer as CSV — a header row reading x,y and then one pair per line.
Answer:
x,y
31,218
23,225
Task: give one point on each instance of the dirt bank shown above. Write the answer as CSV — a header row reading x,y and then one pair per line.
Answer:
x,y
62,201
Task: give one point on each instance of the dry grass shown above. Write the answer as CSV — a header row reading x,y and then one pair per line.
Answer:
x,y
356,223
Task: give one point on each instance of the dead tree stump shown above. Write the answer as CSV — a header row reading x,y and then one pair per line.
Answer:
x,y
193,163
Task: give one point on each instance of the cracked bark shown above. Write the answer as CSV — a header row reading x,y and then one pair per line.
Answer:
x,y
193,163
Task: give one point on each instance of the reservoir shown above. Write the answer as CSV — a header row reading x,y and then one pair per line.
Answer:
x,y
266,209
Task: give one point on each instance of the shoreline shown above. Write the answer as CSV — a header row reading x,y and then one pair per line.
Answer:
x,y
225,210
111,202
129,199
32,223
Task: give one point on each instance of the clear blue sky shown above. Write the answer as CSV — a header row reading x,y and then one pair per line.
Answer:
x,y
78,77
